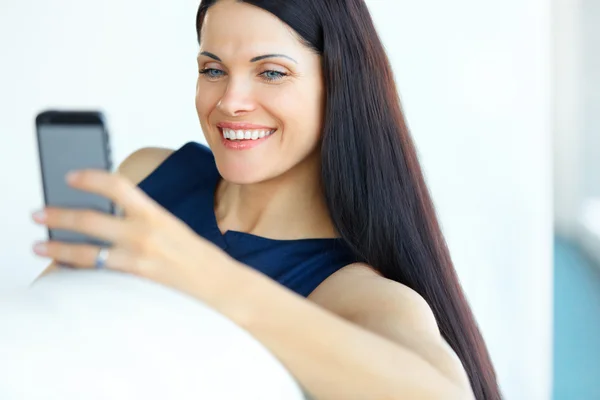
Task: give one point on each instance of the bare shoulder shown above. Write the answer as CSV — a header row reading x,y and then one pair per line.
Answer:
x,y
357,292
361,295
139,164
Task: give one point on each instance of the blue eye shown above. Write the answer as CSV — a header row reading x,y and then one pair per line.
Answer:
x,y
271,75
211,72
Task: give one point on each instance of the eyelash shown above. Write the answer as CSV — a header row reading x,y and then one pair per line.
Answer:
x,y
207,72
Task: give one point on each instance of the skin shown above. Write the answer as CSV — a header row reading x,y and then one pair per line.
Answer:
x,y
369,337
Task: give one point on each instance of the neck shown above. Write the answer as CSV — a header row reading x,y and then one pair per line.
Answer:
x,y
290,206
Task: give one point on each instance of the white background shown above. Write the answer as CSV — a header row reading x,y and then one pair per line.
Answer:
x,y
590,13
475,80
575,109
576,125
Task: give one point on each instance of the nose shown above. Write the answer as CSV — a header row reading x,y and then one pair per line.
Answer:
x,y
237,99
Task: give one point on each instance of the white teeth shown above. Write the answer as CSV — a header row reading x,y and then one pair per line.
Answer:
x,y
245,135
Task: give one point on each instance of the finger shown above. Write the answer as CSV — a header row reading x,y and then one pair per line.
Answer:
x,y
89,222
83,256
115,187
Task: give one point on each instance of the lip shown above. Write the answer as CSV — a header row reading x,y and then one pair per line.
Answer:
x,y
243,126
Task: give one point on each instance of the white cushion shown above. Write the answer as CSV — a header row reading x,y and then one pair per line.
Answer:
x,y
105,335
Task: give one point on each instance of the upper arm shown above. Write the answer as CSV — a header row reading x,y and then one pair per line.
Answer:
x,y
137,166
392,310
358,293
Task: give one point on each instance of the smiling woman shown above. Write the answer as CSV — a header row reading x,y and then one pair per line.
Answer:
x,y
307,220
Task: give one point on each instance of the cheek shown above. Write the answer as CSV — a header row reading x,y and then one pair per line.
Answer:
x,y
206,101
300,111
207,97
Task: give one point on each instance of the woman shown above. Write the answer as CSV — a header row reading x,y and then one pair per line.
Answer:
x,y
308,222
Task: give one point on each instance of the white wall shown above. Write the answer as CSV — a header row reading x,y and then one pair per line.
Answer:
x,y
576,121
134,59
576,105
568,115
589,232
591,94
474,78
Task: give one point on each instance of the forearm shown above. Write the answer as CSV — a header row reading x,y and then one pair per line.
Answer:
x,y
329,356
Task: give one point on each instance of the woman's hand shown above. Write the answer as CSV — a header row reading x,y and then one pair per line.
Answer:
x,y
148,241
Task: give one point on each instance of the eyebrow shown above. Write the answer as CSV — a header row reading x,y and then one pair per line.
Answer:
x,y
255,59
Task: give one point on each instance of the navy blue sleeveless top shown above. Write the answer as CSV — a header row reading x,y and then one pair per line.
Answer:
x,y
185,185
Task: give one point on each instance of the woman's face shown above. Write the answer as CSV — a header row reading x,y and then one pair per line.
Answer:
x,y
259,94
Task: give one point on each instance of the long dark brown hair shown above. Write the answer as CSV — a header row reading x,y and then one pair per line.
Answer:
x,y
372,179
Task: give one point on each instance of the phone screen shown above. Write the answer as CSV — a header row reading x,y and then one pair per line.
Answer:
x,y
65,148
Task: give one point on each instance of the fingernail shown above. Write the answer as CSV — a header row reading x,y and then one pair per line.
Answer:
x,y
40,248
72,176
39,216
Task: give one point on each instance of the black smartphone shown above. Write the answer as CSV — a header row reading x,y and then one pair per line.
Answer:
x,y
67,141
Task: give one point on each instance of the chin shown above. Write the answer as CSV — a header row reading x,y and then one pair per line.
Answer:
x,y
241,179
242,173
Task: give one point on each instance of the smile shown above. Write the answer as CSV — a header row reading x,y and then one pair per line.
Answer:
x,y
247,134
244,139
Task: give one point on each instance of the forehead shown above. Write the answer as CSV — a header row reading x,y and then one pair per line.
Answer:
x,y
242,29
